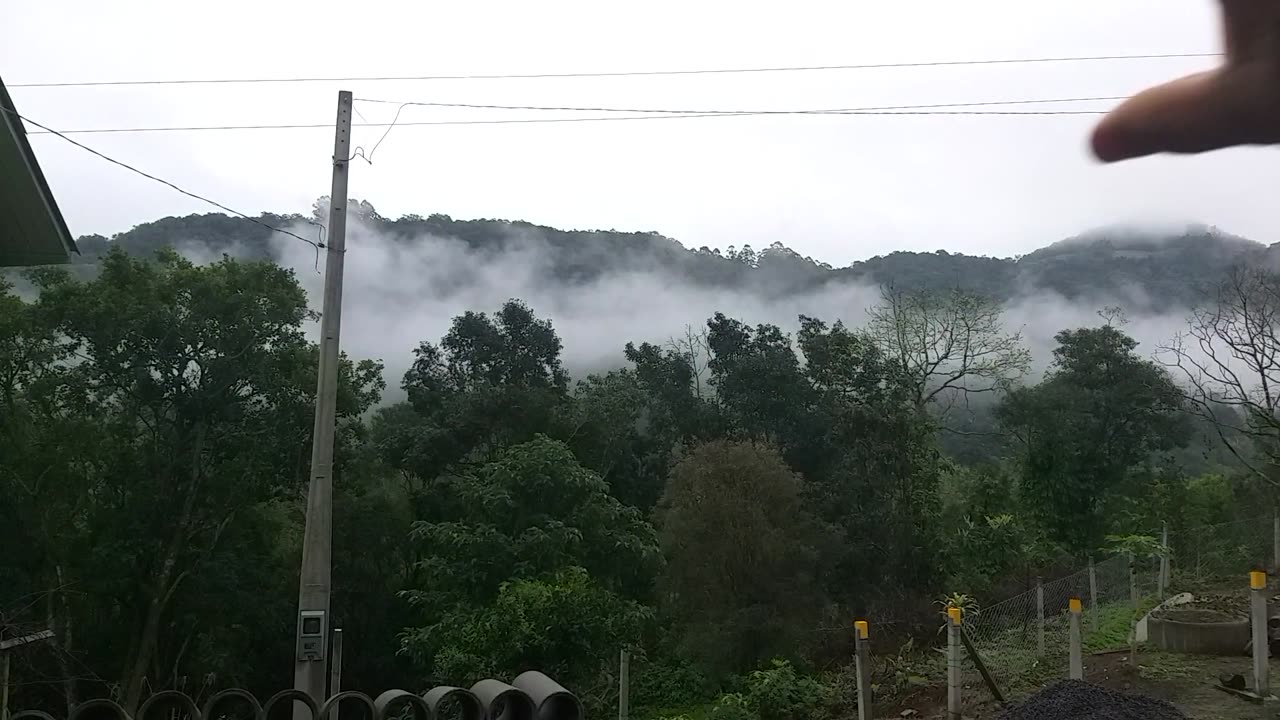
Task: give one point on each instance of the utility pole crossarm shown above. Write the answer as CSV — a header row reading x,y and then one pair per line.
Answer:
x,y
24,639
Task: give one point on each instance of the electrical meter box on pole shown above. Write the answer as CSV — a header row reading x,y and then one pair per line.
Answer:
x,y
311,635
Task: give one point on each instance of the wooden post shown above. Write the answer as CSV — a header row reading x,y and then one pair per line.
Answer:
x,y
862,666
976,657
4,685
6,646
624,685
1075,644
954,619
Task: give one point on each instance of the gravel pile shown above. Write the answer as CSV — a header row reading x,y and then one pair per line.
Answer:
x,y
1077,700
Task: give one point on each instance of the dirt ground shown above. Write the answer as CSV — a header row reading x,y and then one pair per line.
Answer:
x,y
1184,680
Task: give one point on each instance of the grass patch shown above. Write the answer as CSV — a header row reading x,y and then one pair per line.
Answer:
x,y
1114,623
1158,665
700,711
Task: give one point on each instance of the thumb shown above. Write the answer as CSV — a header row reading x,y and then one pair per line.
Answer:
x,y
1207,111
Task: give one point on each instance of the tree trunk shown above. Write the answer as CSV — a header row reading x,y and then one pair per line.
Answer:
x,y
64,637
163,585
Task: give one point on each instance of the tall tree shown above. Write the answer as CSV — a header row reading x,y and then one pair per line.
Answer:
x,y
947,344
1100,412
532,514
743,554
198,380
878,463
1229,362
491,382
758,380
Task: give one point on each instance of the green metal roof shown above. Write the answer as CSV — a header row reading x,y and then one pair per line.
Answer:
x,y
32,231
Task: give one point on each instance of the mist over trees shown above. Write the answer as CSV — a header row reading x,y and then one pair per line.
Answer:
x,y
708,501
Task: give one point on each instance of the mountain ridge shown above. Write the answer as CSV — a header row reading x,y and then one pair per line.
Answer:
x,y
1152,269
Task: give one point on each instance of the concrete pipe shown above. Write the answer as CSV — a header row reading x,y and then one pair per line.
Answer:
x,y
165,699
229,697
453,703
327,709
31,715
502,701
85,710
289,696
389,703
552,700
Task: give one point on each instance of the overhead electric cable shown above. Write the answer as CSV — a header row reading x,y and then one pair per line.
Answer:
x,y
615,74
162,181
664,111
930,109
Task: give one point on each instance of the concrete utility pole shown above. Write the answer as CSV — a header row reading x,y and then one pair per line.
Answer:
x,y
311,660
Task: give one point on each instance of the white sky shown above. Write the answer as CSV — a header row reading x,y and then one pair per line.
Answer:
x,y
838,188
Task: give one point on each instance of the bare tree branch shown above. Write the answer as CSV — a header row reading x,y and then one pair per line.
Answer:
x,y
947,343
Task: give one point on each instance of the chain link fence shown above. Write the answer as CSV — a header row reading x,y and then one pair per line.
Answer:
x,y
1211,554
1023,639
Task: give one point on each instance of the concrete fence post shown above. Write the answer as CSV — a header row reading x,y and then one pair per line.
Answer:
x,y
1275,542
1133,600
624,685
335,670
1163,581
1258,625
1075,643
1039,616
862,666
954,650
1093,596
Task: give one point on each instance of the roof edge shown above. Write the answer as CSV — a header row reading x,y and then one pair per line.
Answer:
x,y
14,121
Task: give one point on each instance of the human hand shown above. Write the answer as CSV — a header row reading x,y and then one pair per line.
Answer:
x,y
1235,104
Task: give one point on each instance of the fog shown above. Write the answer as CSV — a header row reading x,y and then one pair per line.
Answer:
x,y
398,293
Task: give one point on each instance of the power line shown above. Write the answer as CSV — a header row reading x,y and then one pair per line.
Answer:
x,y
827,111
317,245
932,109
629,73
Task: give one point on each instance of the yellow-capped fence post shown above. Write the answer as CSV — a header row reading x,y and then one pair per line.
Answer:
x,y
954,619
1075,662
862,666
1258,621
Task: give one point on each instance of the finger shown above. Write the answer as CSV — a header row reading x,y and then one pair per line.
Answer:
x,y
1198,113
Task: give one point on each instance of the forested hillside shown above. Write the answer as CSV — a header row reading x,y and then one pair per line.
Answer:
x,y
1148,270
716,501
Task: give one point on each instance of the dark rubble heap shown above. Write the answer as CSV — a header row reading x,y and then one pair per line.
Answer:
x,y
1077,700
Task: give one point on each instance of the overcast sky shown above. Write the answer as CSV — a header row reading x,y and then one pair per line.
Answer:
x,y
839,188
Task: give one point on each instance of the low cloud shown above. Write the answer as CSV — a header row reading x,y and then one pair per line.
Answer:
x,y
399,292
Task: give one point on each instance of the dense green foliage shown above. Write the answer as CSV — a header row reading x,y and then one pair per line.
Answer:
x,y
711,506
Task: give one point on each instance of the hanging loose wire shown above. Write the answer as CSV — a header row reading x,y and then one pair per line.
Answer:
x,y
317,244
